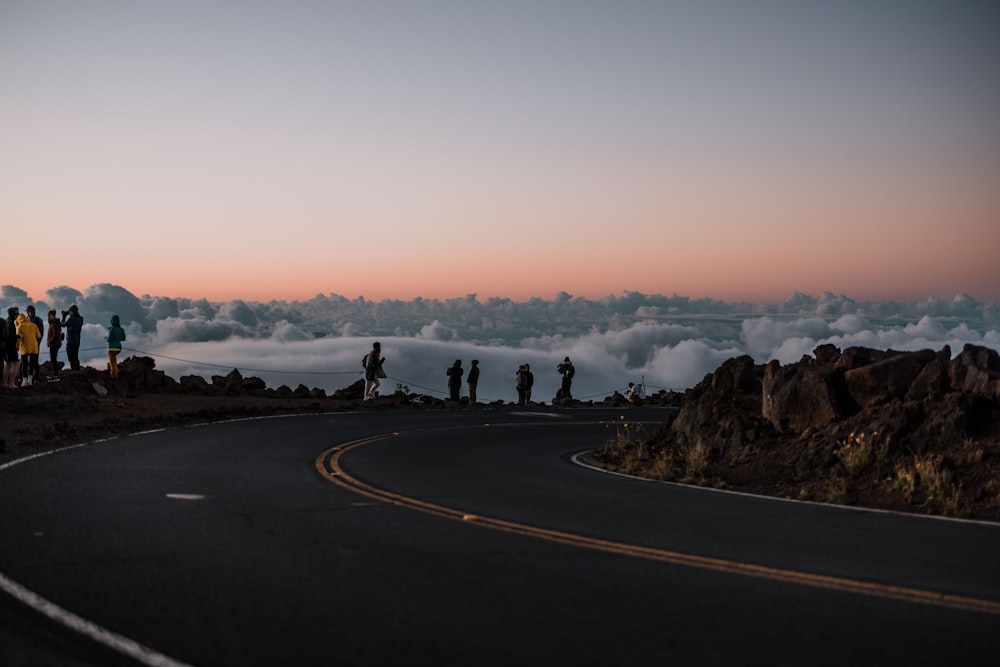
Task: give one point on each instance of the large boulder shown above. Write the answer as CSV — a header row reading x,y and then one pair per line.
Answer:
x,y
976,370
803,396
231,384
722,412
888,379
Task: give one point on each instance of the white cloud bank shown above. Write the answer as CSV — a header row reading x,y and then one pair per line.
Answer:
x,y
670,342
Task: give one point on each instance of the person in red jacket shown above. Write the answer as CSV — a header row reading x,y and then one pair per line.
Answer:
x,y
54,339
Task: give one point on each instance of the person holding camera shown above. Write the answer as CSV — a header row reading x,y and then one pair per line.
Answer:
x,y
454,373
567,371
73,323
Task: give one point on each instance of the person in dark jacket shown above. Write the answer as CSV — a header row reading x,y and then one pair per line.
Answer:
x,y
521,383
11,358
567,371
3,354
372,363
472,380
73,322
455,372
531,383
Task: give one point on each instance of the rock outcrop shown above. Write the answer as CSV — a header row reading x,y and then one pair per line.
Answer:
x,y
848,420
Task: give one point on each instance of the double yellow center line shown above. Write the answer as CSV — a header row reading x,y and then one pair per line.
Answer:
x,y
328,464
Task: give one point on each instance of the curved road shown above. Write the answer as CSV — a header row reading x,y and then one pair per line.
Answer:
x,y
459,538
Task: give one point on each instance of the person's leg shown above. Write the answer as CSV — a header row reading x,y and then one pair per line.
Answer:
x,y
113,362
73,354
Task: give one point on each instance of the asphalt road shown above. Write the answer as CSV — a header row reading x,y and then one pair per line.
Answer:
x,y
459,538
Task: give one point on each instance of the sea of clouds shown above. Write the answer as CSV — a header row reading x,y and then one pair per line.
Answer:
x,y
666,342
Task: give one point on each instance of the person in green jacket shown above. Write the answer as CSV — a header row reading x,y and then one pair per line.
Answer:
x,y
115,337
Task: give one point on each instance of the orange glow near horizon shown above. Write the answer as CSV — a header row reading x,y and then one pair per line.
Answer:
x,y
342,155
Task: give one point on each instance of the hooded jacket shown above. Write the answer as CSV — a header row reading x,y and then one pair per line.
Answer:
x,y
115,334
29,334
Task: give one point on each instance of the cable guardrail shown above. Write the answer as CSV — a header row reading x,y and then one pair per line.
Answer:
x,y
401,382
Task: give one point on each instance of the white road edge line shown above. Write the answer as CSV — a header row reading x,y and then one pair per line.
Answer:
x,y
66,618
853,508
101,635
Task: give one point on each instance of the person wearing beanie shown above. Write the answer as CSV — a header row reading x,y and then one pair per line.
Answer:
x,y
115,337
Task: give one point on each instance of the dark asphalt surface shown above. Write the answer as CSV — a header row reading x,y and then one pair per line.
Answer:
x,y
224,545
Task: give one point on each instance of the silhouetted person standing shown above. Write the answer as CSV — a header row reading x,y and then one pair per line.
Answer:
x,y
472,380
373,370
73,322
455,372
54,339
530,383
521,384
567,371
11,358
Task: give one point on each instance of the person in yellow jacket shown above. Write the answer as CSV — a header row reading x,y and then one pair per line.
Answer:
x,y
28,336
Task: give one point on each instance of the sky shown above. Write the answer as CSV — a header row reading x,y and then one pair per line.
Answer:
x,y
392,150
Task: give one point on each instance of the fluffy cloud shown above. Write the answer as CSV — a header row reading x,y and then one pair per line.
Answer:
x,y
670,342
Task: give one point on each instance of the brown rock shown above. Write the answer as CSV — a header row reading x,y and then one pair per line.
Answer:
x,y
801,396
976,370
887,379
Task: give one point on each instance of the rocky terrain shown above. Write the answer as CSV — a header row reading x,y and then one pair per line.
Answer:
x,y
917,431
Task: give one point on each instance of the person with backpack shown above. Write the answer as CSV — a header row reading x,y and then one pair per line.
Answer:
x,y
567,371
115,338
521,384
372,363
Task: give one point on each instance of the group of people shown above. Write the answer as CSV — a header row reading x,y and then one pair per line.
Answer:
x,y
523,379
21,337
455,372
